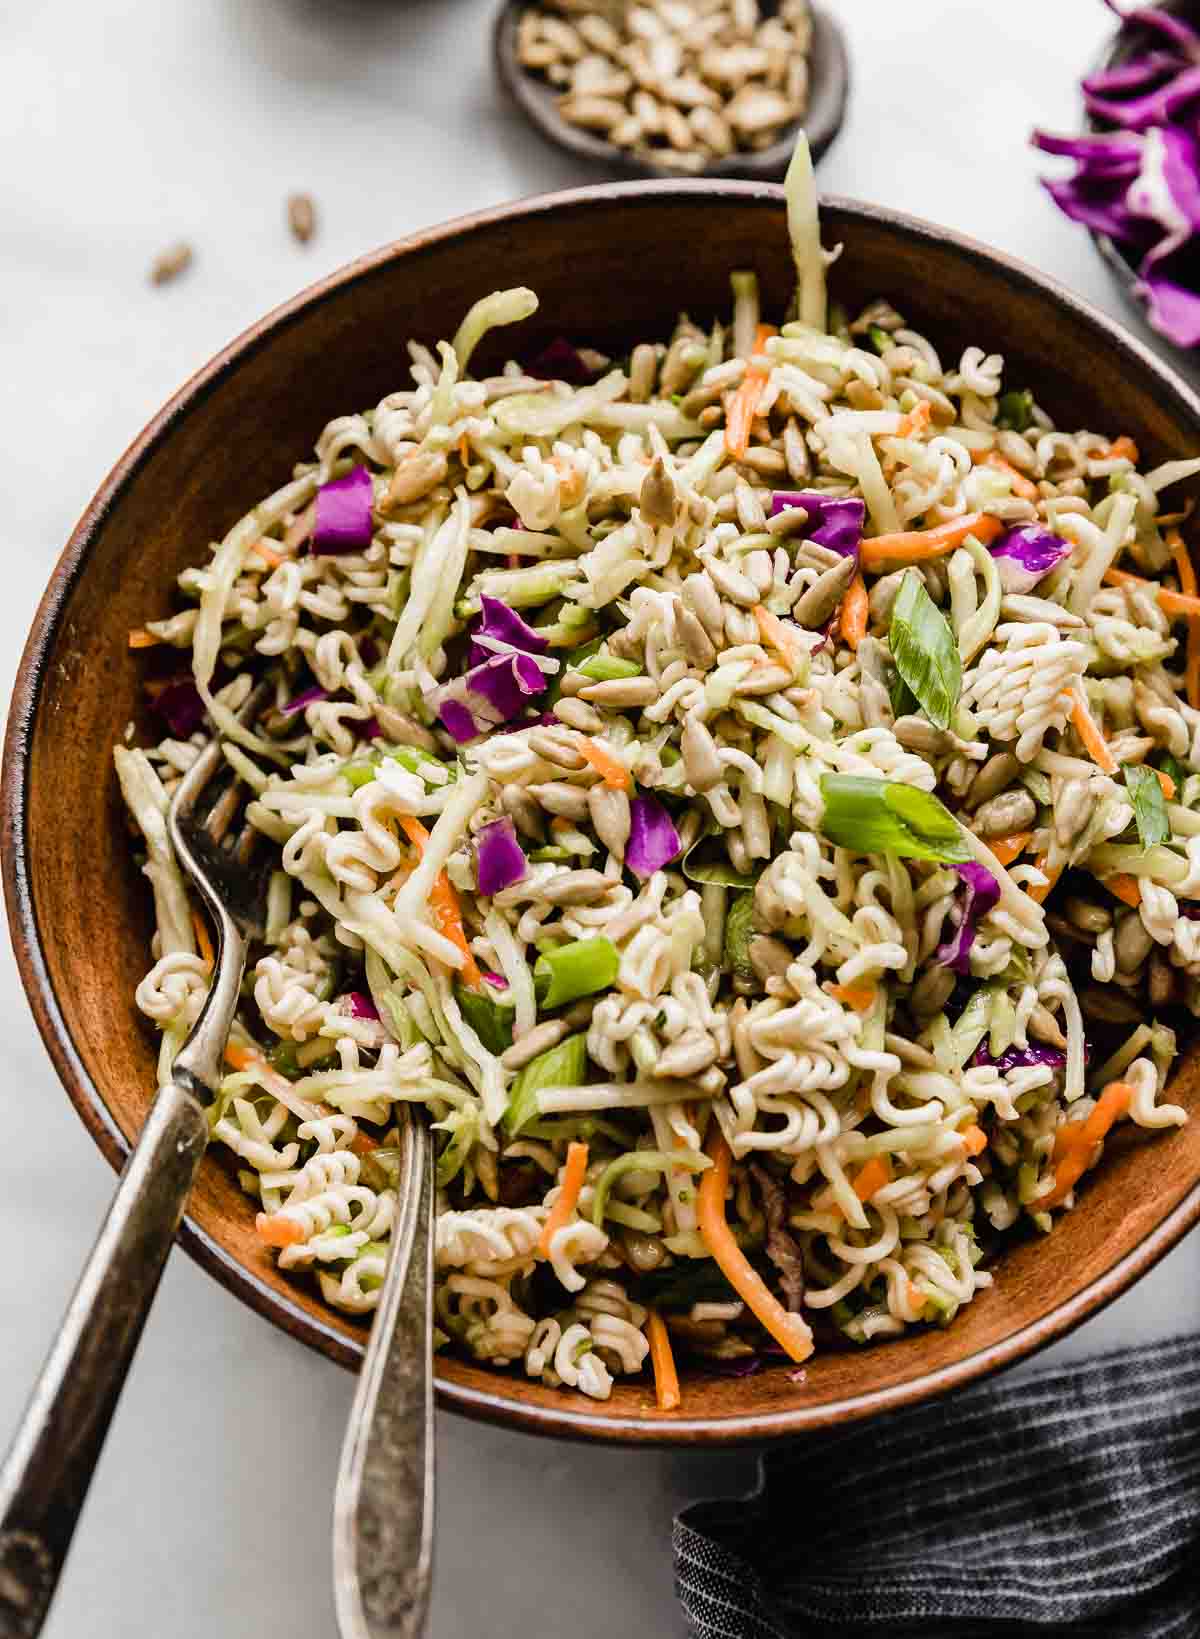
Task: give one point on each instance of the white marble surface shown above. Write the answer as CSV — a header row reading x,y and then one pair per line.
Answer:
x,y
122,127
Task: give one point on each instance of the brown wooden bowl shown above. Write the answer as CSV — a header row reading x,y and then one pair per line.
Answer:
x,y
79,910
829,86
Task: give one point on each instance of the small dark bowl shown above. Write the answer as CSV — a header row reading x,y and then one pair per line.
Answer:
x,y
1119,49
613,265
829,83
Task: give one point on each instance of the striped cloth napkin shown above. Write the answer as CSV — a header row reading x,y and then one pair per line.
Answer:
x,y
1066,1503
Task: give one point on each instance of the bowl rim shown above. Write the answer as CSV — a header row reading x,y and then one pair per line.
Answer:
x,y
501,1405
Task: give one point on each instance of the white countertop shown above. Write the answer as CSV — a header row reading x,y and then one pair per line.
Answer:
x,y
123,127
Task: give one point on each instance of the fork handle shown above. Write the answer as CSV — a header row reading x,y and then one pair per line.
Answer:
x,y
383,1501
49,1466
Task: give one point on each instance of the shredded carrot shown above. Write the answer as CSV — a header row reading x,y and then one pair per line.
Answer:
x,y
916,1297
916,420
860,997
241,1058
666,1378
1126,888
200,929
1006,849
268,553
1167,783
855,609
774,632
464,450
559,1215
278,1231
613,773
444,903
872,1175
1052,876
1188,585
1075,1142
1171,603
1020,485
789,1331
739,417
919,545
140,638
1125,446
1088,730
975,1139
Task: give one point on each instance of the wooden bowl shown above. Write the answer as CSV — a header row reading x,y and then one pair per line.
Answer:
x,y
829,84
79,910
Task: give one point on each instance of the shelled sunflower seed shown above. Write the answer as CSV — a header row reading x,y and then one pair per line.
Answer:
x,y
679,82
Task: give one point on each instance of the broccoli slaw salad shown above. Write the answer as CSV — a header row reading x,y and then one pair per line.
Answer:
x,y
747,792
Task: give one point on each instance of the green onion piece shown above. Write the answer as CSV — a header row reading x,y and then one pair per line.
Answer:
x,y
706,861
924,650
888,817
553,855
585,651
564,1065
608,668
1016,411
491,1021
1149,805
903,701
640,1161
739,930
972,1024
879,339
578,969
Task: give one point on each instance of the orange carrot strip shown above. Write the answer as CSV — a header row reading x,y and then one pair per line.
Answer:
x,y
860,997
444,902
855,609
666,1378
1127,888
1188,585
1088,730
1075,1142
774,632
1006,849
362,1143
277,1231
916,1297
1020,485
1167,783
916,420
239,1057
140,638
739,417
872,1175
200,929
464,450
919,545
559,1216
1052,876
975,1139
1125,446
789,1331
614,773
1171,603
268,553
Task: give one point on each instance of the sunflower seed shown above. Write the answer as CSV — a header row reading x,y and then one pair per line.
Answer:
x,y
170,263
302,216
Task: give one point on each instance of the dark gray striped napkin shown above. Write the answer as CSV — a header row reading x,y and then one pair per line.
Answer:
x,y
1063,1503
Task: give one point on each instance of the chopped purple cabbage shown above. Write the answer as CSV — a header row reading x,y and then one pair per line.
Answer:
x,y
1026,555
306,697
559,361
499,858
653,839
1020,1058
496,980
179,704
835,521
982,891
490,694
343,518
501,628
358,1005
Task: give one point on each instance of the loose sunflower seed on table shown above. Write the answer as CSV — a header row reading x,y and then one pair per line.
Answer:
x,y
679,82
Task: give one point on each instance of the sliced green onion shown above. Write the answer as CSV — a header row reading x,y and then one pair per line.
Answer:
x,y
578,969
1149,805
707,862
1016,411
924,650
739,930
879,339
640,1161
563,1065
903,701
888,817
491,1021
608,668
